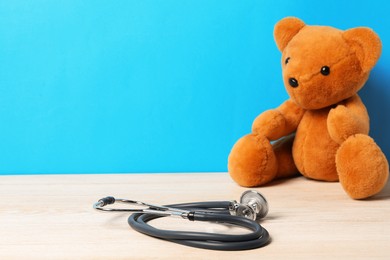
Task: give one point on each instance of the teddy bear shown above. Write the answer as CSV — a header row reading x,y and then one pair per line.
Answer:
x,y
321,131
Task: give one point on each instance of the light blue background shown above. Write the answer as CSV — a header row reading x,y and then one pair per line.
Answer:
x,y
153,86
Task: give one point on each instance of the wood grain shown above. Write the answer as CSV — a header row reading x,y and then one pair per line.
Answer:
x,y
51,217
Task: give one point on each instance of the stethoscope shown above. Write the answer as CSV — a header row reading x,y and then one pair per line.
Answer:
x,y
253,206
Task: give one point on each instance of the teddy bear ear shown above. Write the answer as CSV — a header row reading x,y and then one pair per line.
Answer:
x,y
285,30
366,44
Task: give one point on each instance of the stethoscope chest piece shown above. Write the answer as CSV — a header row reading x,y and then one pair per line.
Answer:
x,y
256,201
252,205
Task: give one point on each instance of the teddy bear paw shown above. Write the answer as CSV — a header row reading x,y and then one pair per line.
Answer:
x,y
362,167
342,123
252,161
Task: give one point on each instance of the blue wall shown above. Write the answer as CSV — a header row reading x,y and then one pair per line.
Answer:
x,y
152,86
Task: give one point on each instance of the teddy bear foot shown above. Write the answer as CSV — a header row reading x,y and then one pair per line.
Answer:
x,y
362,167
252,161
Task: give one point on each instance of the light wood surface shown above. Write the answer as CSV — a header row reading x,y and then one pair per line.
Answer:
x,y
51,217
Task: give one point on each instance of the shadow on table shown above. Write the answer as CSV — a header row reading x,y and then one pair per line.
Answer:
x,y
384,194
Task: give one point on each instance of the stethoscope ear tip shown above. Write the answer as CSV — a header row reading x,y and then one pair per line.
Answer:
x,y
103,202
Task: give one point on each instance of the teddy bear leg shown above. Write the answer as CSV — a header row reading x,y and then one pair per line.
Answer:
x,y
252,161
283,152
362,167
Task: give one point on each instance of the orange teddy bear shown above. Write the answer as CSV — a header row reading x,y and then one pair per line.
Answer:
x,y
322,130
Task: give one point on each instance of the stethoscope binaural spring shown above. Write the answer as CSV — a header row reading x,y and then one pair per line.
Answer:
x,y
252,207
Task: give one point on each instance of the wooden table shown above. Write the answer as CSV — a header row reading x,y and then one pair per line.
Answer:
x,y
51,217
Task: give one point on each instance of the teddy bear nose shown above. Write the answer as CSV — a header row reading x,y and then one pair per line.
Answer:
x,y
293,82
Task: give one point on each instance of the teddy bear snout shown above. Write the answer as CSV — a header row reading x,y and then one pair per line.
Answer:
x,y
293,82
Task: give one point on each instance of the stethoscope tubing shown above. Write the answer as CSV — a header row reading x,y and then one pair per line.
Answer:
x,y
216,211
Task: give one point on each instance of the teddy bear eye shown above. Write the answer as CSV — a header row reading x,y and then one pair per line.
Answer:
x,y
286,61
325,70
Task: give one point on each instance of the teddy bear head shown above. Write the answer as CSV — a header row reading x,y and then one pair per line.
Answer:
x,y
323,65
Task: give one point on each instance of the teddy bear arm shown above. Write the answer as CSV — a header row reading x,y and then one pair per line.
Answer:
x,y
293,115
348,119
278,122
356,106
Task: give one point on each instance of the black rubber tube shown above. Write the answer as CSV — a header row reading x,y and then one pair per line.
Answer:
x,y
209,212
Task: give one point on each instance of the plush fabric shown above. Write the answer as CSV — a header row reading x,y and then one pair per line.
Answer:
x,y
321,131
